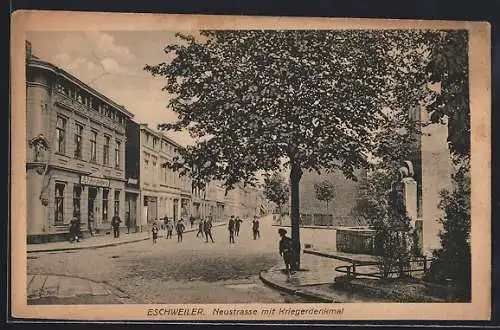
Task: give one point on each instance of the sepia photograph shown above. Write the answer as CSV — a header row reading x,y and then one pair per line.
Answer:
x,y
250,168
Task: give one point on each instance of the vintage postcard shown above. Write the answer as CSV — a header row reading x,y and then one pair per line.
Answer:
x,y
207,168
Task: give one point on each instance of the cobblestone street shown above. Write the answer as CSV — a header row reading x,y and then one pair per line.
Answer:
x,y
192,271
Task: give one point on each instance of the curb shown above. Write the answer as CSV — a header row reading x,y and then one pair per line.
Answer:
x,y
72,248
310,227
291,290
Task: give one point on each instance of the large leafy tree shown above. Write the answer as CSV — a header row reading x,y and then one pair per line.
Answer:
x,y
276,189
305,100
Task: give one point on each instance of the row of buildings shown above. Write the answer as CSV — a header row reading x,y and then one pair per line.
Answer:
x,y
85,154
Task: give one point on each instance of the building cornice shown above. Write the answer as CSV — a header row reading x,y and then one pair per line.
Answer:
x,y
37,63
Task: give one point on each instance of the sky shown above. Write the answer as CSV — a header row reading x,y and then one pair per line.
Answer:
x,y
112,62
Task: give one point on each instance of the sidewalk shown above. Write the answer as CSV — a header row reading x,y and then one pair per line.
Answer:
x,y
64,290
319,282
101,241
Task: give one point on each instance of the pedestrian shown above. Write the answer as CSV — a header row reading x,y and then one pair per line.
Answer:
x,y
115,223
91,223
170,228
155,230
286,250
255,228
207,228
200,228
237,224
191,220
230,227
74,229
127,221
179,227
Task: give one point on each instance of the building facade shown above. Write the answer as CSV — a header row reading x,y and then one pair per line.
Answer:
x,y
75,161
133,209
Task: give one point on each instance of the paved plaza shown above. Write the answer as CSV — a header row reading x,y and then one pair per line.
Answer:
x,y
191,271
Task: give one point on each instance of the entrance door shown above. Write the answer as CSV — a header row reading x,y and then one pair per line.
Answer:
x,y
176,207
92,196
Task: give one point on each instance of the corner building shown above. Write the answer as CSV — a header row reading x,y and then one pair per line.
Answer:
x,y
75,155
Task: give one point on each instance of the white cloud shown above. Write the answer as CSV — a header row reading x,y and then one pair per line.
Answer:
x,y
112,66
104,45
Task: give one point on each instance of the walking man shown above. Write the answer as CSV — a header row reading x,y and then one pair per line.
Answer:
x,y
207,228
170,228
115,223
91,223
127,221
286,250
179,227
230,227
191,220
200,228
74,228
237,224
255,228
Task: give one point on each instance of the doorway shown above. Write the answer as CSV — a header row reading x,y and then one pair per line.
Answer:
x,y
176,207
90,209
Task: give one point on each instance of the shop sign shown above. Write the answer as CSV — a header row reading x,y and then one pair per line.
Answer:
x,y
132,181
94,181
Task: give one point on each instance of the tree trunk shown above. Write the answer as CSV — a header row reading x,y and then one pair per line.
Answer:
x,y
295,176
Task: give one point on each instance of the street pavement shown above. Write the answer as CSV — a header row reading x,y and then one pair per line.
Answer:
x,y
191,271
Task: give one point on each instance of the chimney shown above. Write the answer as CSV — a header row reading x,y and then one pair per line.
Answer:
x,y
28,49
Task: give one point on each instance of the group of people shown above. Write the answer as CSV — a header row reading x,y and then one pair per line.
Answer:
x,y
234,227
75,232
205,229
168,225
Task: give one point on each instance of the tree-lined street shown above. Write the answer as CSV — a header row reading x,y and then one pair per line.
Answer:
x,y
189,272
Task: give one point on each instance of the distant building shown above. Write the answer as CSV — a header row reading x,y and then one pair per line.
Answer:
x,y
75,160
163,192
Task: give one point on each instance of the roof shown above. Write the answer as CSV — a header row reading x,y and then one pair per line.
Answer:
x,y
34,61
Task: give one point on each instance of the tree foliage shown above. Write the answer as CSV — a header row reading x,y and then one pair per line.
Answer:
x,y
253,97
449,66
276,189
325,191
318,99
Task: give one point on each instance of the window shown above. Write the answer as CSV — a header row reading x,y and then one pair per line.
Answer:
x,y
146,165
78,141
153,170
59,207
117,154
154,142
105,193
117,202
93,146
106,150
77,193
60,130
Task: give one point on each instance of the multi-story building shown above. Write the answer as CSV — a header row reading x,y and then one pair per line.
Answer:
x,y
163,192
75,140
133,208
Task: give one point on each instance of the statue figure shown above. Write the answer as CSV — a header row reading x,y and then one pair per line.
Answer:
x,y
406,170
40,145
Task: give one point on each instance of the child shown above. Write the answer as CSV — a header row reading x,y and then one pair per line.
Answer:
x,y
155,232
286,250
